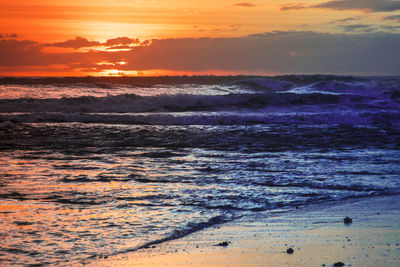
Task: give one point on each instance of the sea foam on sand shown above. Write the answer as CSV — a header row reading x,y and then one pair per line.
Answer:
x,y
317,234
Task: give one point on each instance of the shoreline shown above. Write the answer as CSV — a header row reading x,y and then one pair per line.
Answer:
x,y
317,235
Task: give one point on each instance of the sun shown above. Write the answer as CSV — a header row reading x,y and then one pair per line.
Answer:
x,y
118,73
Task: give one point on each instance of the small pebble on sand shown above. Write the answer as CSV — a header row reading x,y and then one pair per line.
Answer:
x,y
223,244
347,220
338,264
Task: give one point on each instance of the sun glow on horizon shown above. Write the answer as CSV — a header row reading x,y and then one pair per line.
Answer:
x,y
51,21
122,37
113,72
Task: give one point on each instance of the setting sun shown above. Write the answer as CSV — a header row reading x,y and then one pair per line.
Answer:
x,y
189,36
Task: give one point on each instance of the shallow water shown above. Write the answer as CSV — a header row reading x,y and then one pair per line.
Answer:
x,y
73,190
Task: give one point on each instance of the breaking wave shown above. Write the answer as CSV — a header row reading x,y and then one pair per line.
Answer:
x,y
134,103
298,99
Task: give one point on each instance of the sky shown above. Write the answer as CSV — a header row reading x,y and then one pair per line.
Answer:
x,y
187,37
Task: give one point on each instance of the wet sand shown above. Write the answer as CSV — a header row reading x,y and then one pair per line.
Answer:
x,y
317,235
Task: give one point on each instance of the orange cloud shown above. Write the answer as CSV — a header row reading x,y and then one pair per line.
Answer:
x,y
121,41
80,42
245,4
76,43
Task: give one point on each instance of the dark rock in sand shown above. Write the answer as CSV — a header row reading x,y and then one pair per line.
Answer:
x,y
223,244
347,220
289,251
338,264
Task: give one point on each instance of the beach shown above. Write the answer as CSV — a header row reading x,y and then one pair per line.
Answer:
x,y
317,235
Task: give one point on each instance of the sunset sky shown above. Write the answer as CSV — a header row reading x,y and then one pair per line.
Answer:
x,y
158,37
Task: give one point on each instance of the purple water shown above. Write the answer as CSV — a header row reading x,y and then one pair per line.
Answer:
x,y
103,171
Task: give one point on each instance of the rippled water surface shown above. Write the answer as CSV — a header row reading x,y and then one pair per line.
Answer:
x,y
71,191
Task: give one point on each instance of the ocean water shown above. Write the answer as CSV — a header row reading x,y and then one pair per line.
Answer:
x,y
97,167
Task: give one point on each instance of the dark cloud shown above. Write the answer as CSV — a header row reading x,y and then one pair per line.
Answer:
x,y
293,7
363,5
76,43
368,5
287,52
390,28
16,53
275,52
8,35
394,17
121,41
354,27
80,42
245,4
29,53
344,20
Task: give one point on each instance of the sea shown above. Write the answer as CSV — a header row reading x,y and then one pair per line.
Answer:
x,y
93,167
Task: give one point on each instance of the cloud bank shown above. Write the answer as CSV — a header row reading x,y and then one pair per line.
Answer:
x,y
76,43
363,5
80,42
393,18
275,52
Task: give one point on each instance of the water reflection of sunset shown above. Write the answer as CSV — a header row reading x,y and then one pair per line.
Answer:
x,y
46,201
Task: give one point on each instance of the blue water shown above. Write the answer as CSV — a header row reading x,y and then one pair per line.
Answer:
x,y
109,169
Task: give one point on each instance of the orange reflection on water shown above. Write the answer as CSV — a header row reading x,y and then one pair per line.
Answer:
x,y
56,203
